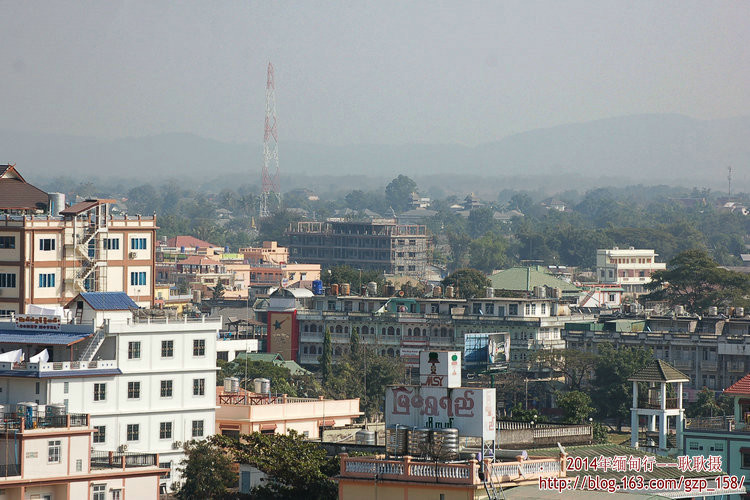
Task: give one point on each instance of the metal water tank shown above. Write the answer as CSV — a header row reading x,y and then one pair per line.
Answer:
x,y
419,442
231,385
364,436
372,289
679,310
55,410
56,203
345,289
444,443
41,411
739,312
713,311
489,292
262,385
396,439
437,291
317,287
334,289
449,291
27,410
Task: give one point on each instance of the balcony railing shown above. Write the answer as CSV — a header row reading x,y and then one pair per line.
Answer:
x,y
709,366
723,423
7,470
655,404
245,399
17,421
466,472
122,460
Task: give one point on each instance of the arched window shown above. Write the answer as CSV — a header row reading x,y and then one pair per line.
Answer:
x,y
398,331
435,332
338,328
365,330
382,331
320,350
443,332
304,350
408,332
307,328
346,329
382,353
390,352
390,330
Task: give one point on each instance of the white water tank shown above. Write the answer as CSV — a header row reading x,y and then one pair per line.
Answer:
x,y
232,385
739,312
262,385
56,203
713,311
55,410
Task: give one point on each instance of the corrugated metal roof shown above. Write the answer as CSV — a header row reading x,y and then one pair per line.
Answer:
x,y
526,278
85,205
108,301
44,337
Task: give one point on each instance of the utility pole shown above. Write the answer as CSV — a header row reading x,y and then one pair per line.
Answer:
x,y
729,180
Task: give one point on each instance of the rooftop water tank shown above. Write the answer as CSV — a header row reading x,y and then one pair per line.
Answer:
x,y
317,287
365,436
262,385
419,442
232,385
444,443
372,289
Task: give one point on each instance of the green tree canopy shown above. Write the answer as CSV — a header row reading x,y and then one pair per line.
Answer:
x,y
576,366
398,193
612,392
207,472
488,252
282,381
469,283
706,405
694,280
576,405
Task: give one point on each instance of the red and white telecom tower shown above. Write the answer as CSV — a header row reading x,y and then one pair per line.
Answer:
x,y
271,195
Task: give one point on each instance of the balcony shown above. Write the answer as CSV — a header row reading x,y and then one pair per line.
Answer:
x,y
459,473
709,366
683,364
724,423
18,422
122,460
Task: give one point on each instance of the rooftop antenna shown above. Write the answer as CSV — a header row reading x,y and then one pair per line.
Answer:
x,y
270,175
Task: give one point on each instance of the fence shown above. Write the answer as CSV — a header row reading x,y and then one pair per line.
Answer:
x,y
121,460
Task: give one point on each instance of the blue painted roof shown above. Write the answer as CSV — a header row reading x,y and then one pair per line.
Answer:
x,y
109,301
46,338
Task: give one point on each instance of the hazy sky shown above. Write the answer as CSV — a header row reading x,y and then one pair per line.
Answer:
x,y
366,72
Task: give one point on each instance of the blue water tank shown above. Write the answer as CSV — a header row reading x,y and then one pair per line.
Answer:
x,y
317,287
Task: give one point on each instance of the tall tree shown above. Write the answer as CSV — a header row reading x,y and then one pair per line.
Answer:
x,y
488,252
576,405
207,472
398,193
576,366
694,280
326,362
613,392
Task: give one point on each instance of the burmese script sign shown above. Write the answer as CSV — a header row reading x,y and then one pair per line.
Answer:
x,y
470,410
440,368
33,322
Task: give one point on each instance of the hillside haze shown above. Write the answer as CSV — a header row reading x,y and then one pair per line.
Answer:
x,y
648,149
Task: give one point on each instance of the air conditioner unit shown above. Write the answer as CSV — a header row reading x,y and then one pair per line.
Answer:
x,y
122,447
176,445
132,255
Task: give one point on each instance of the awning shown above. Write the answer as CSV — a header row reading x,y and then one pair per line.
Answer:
x,y
267,427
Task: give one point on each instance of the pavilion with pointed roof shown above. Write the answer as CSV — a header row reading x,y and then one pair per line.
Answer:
x,y
658,374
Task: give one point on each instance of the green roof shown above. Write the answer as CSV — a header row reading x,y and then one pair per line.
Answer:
x,y
526,278
268,357
659,371
293,367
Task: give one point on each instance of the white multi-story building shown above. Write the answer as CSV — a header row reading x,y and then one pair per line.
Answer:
x,y
630,268
148,385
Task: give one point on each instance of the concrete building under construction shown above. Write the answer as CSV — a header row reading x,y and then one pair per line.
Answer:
x,y
379,244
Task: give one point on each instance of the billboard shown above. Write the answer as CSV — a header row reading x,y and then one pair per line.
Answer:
x,y
283,334
470,410
486,351
440,368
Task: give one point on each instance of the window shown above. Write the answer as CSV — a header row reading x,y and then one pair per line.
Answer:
x,y
533,308
165,430
47,244
501,310
197,428
133,432
134,350
53,452
199,347
47,280
476,308
199,386
167,348
166,388
116,494
7,280
138,278
36,388
112,243
489,308
100,492
513,309
544,308
79,465
100,392
168,466
66,387
7,242
100,434
134,390
527,309
138,244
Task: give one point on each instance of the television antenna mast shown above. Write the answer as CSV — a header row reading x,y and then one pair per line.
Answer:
x,y
270,176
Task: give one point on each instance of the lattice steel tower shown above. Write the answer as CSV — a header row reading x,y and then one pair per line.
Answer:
x,y
270,198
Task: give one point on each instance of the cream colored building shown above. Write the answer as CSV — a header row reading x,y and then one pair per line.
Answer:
x,y
50,458
268,253
47,260
631,268
247,412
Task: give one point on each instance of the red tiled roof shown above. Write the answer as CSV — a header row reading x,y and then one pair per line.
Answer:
x,y
17,194
742,386
188,242
199,260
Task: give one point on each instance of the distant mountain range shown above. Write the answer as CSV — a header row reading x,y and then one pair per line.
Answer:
x,y
647,149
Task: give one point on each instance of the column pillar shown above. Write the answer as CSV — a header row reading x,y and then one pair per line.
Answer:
x,y
652,423
663,428
634,418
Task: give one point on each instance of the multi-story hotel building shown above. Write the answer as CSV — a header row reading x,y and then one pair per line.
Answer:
x,y
47,257
629,268
148,385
